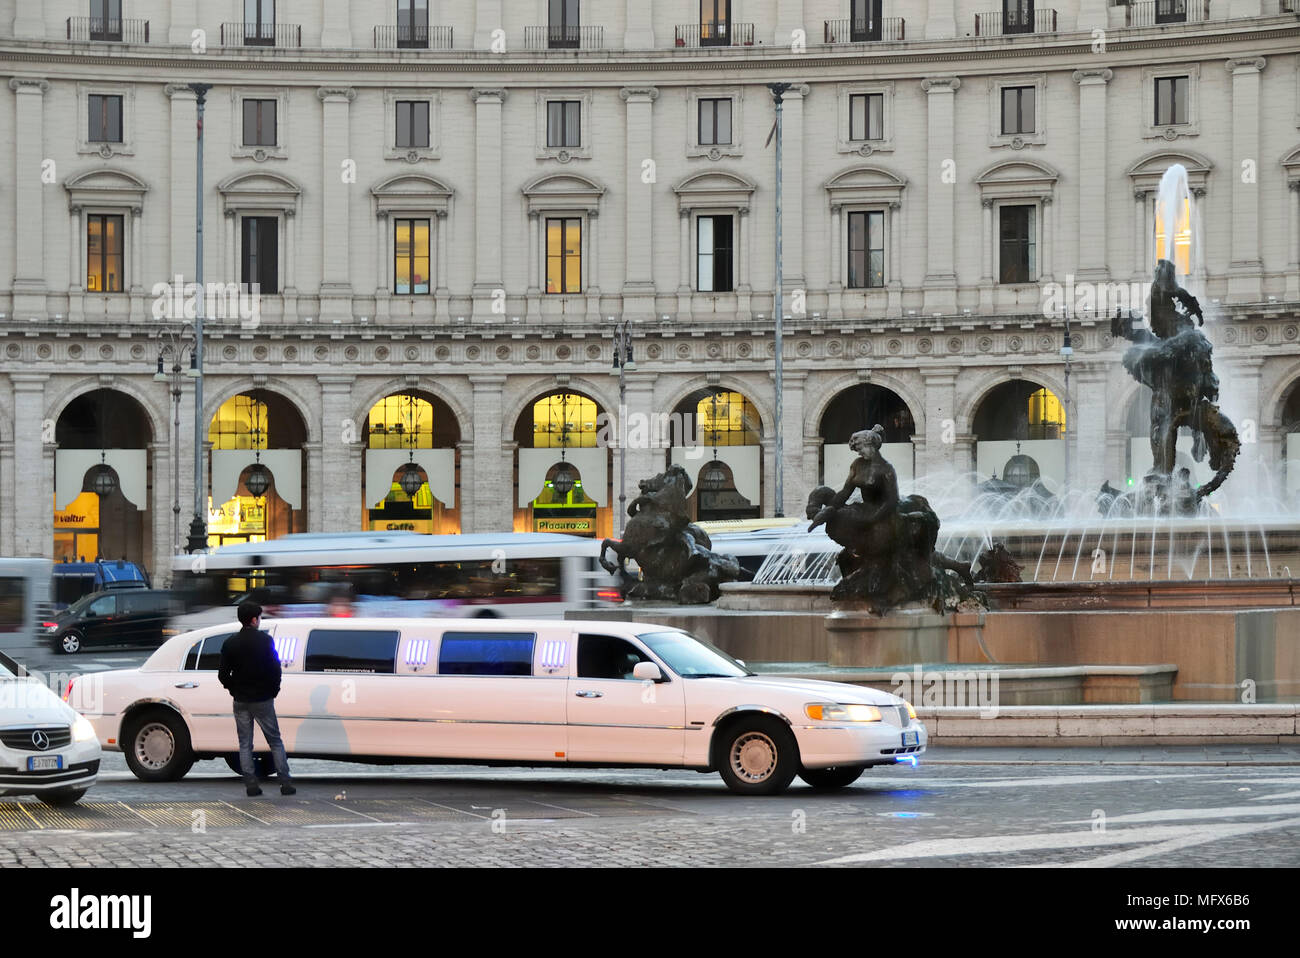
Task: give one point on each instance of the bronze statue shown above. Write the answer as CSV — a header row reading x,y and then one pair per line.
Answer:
x,y
1173,358
675,555
889,556
997,565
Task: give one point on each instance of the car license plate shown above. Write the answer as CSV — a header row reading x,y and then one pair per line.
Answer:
x,y
911,738
45,763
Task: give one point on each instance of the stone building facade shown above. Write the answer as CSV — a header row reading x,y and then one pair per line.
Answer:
x,y
463,201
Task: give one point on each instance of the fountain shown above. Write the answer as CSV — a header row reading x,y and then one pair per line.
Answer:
x,y
1168,591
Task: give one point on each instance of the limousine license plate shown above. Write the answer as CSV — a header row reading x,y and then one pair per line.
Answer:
x,y
911,738
45,763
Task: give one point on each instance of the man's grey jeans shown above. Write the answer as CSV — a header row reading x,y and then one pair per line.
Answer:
x,y
264,714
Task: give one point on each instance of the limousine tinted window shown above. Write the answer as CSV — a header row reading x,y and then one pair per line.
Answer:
x,y
486,653
205,654
607,657
351,650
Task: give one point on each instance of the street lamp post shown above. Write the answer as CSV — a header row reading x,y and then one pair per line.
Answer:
x,y
778,91
199,524
176,348
1067,350
623,362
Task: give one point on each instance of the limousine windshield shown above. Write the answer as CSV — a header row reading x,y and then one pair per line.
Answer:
x,y
691,657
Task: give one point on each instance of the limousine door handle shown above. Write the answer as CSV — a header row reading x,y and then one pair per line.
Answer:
x,y
188,685
589,695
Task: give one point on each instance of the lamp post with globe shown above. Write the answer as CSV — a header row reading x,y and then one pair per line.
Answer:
x,y
175,347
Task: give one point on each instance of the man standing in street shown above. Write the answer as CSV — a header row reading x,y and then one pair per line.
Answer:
x,y
250,671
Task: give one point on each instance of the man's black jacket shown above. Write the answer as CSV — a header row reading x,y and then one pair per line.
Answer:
x,y
250,669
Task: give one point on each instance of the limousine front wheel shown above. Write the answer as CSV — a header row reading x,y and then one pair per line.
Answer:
x,y
157,747
758,756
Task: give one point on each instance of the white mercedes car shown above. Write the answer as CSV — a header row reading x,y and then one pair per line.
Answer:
x,y
521,693
46,748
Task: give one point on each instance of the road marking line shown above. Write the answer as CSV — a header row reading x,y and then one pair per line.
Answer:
x,y
1193,814
451,808
1174,844
134,812
359,825
242,812
30,815
355,812
576,811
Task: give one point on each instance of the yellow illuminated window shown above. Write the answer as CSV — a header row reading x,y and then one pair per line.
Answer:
x,y
240,423
104,254
728,419
395,420
1182,238
564,420
563,256
1046,415
411,258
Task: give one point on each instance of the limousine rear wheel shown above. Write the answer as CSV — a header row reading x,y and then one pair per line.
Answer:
x,y
828,778
757,756
157,746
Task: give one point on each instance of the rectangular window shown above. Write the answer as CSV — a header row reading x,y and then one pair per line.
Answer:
x,y
1171,100
413,123
413,24
486,653
1017,16
867,116
411,257
106,19
867,249
866,20
715,22
1017,261
562,24
261,254
564,255
1018,110
564,123
104,253
715,122
259,123
347,650
714,245
105,118
259,22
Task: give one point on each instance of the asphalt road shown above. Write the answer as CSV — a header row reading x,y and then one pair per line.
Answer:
x,y
1042,814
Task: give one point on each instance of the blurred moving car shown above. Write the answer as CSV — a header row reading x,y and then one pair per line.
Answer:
x,y
46,748
130,617
72,580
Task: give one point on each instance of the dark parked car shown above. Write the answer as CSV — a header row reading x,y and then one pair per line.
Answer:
x,y
117,617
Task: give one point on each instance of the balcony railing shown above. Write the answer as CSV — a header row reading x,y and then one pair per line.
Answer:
x,y
715,34
261,35
994,25
109,31
390,36
564,38
864,31
1147,13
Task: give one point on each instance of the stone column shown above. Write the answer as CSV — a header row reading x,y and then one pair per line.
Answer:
x,y
340,468
383,286
1245,268
488,200
490,488
640,35
181,159
645,445
135,268
1092,160
184,20
1142,267
158,550
941,20
312,455
33,475
336,28
835,271
592,269
638,227
76,265
29,192
487,19
684,265
940,408
229,265
1293,268
441,293
7,492
336,281
894,267
793,491
988,239
1240,398
534,269
789,18
1088,430
792,220
1047,246
941,194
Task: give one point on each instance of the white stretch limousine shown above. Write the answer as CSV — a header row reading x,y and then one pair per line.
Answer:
x,y
537,693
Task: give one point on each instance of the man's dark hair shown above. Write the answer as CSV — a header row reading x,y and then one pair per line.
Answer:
x,y
248,611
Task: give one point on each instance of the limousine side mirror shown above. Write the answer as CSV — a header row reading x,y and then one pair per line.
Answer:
x,y
647,672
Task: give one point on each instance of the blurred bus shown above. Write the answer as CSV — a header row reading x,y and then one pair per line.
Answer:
x,y
24,602
407,574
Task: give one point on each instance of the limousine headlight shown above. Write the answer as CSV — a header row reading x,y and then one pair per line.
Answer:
x,y
842,713
82,730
